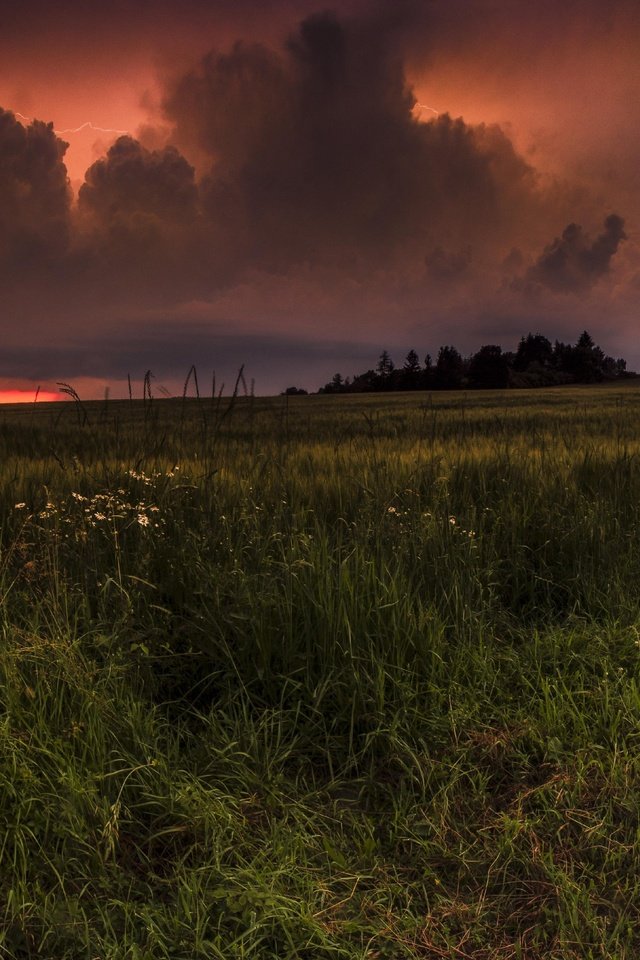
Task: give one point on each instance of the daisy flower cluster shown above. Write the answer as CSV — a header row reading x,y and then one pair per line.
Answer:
x,y
408,521
111,511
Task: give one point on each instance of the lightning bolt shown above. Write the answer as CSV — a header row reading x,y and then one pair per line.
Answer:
x,y
87,125
423,106
90,125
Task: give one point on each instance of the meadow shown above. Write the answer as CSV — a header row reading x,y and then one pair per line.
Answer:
x,y
321,677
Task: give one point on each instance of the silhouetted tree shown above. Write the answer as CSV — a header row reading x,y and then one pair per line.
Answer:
x,y
533,349
365,382
584,361
412,362
385,366
585,342
337,384
449,371
387,377
610,369
411,372
489,368
562,355
535,363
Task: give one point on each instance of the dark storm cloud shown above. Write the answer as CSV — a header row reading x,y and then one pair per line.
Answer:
x,y
573,263
138,214
131,179
315,154
175,347
315,187
313,150
34,196
312,157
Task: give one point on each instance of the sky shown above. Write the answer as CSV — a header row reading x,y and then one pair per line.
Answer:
x,y
296,186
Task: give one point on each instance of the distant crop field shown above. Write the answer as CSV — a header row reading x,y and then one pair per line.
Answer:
x,y
321,677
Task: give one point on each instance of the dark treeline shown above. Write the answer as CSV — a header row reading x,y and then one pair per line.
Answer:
x,y
536,363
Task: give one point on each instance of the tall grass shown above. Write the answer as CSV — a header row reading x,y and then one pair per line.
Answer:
x,y
321,677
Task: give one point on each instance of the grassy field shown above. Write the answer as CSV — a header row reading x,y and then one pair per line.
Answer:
x,y
326,677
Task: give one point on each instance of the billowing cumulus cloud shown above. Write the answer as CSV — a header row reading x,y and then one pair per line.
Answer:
x,y
573,263
131,179
310,157
34,196
138,216
315,154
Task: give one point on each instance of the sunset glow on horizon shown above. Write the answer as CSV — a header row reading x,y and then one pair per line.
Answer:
x,y
297,190
29,396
